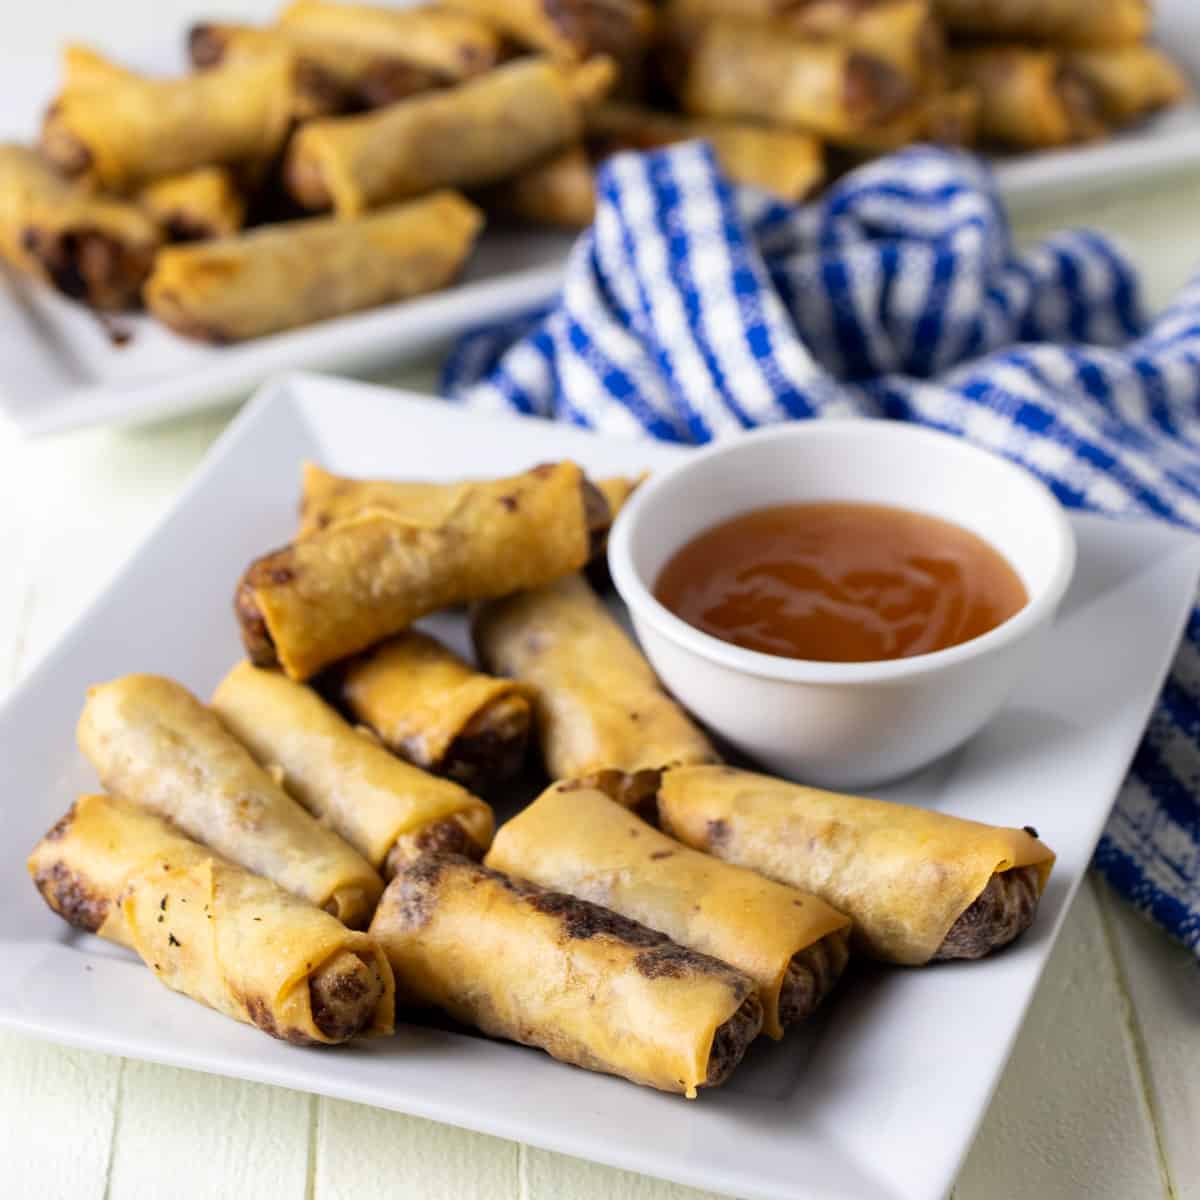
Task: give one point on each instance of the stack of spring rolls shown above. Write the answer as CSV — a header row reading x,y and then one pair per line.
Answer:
x,y
648,915
318,166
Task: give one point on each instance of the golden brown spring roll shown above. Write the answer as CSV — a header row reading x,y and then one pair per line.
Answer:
x,y
559,191
1065,22
334,75
569,29
211,930
903,33
197,205
1128,82
949,118
786,162
576,839
386,809
431,708
1028,98
465,136
298,272
153,743
428,35
737,69
91,248
130,130
920,886
597,703
587,986
371,576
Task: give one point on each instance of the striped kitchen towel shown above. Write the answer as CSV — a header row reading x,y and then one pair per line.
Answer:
x,y
692,309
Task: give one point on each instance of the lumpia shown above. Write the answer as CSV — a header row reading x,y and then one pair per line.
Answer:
x,y
366,578
1128,82
584,984
130,130
1028,98
211,930
432,709
197,206
386,809
334,75
465,136
559,191
153,743
920,886
298,272
89,247
576,839
737,69
427,35
597,703
1065,22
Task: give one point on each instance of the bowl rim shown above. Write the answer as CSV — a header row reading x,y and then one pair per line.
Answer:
x,y
643,605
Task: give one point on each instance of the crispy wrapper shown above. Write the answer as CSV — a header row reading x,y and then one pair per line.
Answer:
x,y
91,248
558,191
454,44
905,876
786,162
904,33
434,710
597,703
587,986
129,130
197,205
1065,22
948,118
211,930
385,808
373,575
576,839
298,272
335,75
465,136
760,72
1129,82
152,742
1028,98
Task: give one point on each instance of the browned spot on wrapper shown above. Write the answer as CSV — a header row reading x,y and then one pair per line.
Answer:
x,y
717,832
71,897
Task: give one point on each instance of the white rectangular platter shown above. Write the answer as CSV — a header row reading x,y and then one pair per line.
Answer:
x,y
63,371
879,1099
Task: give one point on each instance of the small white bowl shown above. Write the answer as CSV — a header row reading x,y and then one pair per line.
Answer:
x,y
843,725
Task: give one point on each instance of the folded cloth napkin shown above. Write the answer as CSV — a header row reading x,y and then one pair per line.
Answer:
x,y
693,309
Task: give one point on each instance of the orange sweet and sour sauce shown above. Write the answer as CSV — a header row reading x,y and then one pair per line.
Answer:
x,y
840,583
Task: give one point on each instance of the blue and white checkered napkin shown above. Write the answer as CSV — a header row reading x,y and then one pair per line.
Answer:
x,y
692,309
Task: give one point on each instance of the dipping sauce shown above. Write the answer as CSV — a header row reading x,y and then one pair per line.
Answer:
x,y
840,583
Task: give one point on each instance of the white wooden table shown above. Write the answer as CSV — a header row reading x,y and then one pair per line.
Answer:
x,y
1100,1100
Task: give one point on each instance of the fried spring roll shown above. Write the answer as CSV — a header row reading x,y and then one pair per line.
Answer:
x,y
584,984
90,248
130,130
944,118
920,886
576,839
466,136
153,743
386,809
786,162
336,75
1065,22
904,33
597,703
293,274
373,575
1128,82
211,930
427,35
434,710
196,206
1028,98
569,29
559,191
764,73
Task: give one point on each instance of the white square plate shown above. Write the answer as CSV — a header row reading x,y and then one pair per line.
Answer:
x,y
63,371
880,1099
